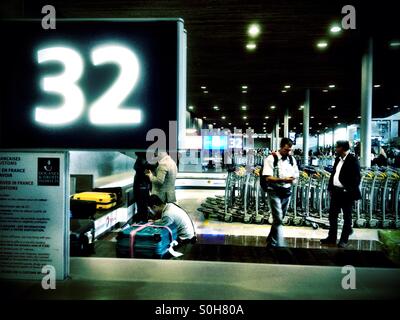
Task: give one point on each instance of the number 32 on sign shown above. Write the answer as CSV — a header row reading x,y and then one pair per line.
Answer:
x,y
107,109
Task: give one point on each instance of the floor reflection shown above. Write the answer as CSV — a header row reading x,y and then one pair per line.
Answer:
x,y
260,241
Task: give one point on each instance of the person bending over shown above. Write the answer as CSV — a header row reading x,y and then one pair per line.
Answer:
x,y
170,212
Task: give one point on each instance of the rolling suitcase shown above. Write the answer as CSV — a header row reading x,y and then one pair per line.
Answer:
x,y
104,200
81,237
148,240
116,190
81,209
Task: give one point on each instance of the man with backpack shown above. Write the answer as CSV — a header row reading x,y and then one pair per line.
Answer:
x,y
279,172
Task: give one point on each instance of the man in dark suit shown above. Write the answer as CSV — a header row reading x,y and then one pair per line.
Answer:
x,y
344,188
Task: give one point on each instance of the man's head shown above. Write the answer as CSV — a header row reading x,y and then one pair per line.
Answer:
x,y
156,206
342,146
286,147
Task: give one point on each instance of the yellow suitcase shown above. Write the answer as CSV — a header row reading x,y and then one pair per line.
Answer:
x,y
104,200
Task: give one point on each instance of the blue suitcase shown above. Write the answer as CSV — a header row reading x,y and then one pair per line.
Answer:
x,y
146,240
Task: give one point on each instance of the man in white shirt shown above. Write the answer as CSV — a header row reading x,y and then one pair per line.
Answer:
x,y
170,212
279,172
344,188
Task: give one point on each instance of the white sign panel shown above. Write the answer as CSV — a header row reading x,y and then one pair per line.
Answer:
x,y
33,214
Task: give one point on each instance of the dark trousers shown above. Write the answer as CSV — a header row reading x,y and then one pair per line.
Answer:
x,y
141,196
340,200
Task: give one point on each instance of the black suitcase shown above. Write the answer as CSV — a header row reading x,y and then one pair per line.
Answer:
x,y
81,209
81,237
116,190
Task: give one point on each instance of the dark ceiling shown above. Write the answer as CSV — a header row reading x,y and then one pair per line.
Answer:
x,y
286,54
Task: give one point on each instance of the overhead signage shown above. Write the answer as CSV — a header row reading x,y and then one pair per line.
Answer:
x,y
89,83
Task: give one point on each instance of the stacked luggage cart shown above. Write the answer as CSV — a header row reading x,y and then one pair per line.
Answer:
x,y
245,201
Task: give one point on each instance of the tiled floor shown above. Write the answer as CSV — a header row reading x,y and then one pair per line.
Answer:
x,y
239,242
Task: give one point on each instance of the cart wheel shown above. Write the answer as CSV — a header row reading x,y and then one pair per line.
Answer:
x,y
228,219
315,226
386,225
297,221
247,220
286,221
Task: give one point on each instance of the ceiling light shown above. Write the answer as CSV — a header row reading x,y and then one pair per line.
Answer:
x,y
203,87
272,107
251,46
326,127
204,117
244,117
214,124
294,128
244,87
395,44
319,123
301,123
215,107
264,123
333,107
387,108
301,107
244,91
289,117
223,117
287,87
377,85
325,90
395,107
190,107
335,117
230,123
335,29
339,123
332,86
254,30
322,44
247,123
266,117
264,128
284,91
205,91
359,117
312,117
244,107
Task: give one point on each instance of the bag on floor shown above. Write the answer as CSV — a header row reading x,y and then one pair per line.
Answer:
x,y
81,237
104,200
82,209
147,240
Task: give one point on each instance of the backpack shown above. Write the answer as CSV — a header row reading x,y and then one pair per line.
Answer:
x,y
263,182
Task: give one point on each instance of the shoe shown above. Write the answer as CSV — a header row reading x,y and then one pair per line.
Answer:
x,y
342,244
328,241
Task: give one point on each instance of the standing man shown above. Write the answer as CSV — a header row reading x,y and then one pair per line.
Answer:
x,y
163,180
279,172
344,188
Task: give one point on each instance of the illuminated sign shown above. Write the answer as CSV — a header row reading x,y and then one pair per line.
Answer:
x,y
90,84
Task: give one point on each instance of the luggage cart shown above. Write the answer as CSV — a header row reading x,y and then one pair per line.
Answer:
x,y
375,208
364,205
389,198
318,207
